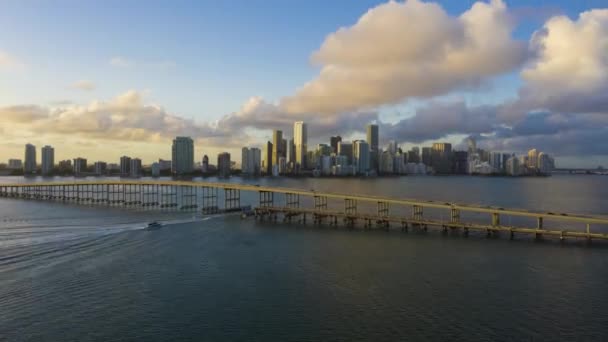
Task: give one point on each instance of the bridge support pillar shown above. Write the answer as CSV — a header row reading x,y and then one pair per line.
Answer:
x,y
495,219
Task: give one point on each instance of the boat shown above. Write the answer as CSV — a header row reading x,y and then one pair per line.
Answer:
x,y
153,225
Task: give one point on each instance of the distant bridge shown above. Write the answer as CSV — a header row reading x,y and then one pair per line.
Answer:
x,y
321,207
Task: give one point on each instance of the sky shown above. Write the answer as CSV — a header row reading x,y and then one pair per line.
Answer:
x,y
105,79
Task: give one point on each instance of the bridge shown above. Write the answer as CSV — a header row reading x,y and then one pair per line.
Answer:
x,y
299,205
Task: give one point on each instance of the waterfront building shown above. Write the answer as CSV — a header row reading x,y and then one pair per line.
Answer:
x,y
496,161
205,164
441,157
471,146
512,167
282,165
48,160
164,165
426,156
15,164
399,161
346,149
155,168
80,165
182,156
392,147
300,139
544,163
533,159
251,161
333,142
277,146
373,141
125,165
65,165
30,159
386,163
326,165
223,164
100,168
461,162
291,152
361,156
268,158
135,167
413,155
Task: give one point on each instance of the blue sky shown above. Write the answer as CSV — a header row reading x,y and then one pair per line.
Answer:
x,y
203,59
223,51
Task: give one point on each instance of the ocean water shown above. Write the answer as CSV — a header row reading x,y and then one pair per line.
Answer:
x,y
83,273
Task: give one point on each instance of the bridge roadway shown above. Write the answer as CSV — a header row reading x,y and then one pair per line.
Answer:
x,y
232,191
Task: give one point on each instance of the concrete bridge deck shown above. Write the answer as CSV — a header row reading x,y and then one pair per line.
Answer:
x,y
192,195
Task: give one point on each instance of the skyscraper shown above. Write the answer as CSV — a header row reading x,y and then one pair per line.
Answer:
x,y
80,165
223,164
125,165
277,144
135,169
182,156
372,140
30,159
250,161
361,156
48,160
346,149
291,151
532,159
333,142
300,139
268,158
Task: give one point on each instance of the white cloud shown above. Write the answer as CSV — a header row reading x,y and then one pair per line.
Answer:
x,y
411,49
84,85
570,72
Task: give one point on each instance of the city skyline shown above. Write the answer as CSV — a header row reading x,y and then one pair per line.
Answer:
x,y
527,78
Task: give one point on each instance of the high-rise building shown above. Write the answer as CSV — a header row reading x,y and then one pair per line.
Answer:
x,y
80,165
346,149
513,166
386,163
30,159
251,161
392,147
205,164
223,164
426,156
100,168
291,151
441,157
372,137
333,142
495,161
471,145
461,160
545,163
361,156
277,146
268,151
182,156
372,140
65,166
155,168
135,167
48,160
533,159
300,139
125,166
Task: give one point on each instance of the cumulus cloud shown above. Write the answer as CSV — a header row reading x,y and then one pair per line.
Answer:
x,y
83,85
411,49
570,71
440,119
124,117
